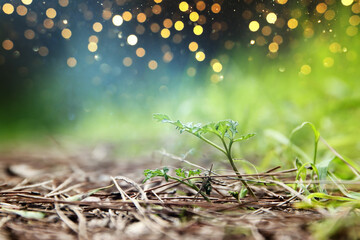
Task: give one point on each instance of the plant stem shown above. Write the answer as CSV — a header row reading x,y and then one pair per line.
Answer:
x,y
211,143
190,185
232,163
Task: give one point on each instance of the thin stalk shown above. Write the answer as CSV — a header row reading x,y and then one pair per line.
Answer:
x,y
190,185
232,163
211,143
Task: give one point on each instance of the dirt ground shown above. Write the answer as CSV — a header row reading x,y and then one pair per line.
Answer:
x,y
49,197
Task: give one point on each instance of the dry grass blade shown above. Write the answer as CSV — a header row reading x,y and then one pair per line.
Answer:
x,y
65,219
82,223
134,184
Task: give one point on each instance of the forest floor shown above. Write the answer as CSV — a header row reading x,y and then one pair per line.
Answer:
x,y
44,196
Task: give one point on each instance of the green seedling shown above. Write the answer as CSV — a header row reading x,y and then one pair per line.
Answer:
x,y
225,130
183,177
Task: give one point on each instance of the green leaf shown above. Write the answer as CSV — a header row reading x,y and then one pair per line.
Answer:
x,y
298,128
26,214
161,117
156,173
244,137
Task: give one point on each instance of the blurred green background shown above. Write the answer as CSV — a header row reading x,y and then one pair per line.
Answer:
x,y
314,76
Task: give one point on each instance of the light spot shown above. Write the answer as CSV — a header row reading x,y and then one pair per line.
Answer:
x,y
292,23
200,56
184,6
216,8
7,44
127,61
254,26
271,18
347,2
51,13
305,69
179,25
117,20
140,52
198,30
8,8
92,46
71,62
97,27
127,16
132,40
193,46
153,65
194,16
66,33
165,33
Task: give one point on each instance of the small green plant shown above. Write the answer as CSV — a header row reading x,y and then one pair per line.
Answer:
x,y
183,177
225,130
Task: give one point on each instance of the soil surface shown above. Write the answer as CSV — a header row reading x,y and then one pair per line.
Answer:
x,y
52,197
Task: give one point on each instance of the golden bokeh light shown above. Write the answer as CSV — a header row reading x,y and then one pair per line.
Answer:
x,y
7,44
179,25
198,30
66,33
27,2
354,20
157,1
140,52
21,10
167,23
266,31
356,8
194,16
127,16
321,8
271,18
292,23
153,65
92,46
29,34
48,23
156,9
329,15
184,6
132,40
51,13
93,39
168,57
127,61
305,69
347,2
154,27
273,47
335,47
117,20
200,5
328,62
71,62
106,14
165,33
217,67
97,27
215,8
278,39
352,31
8,8
43,51
141,17
200,56
193,46
281,1
63,3
254,26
